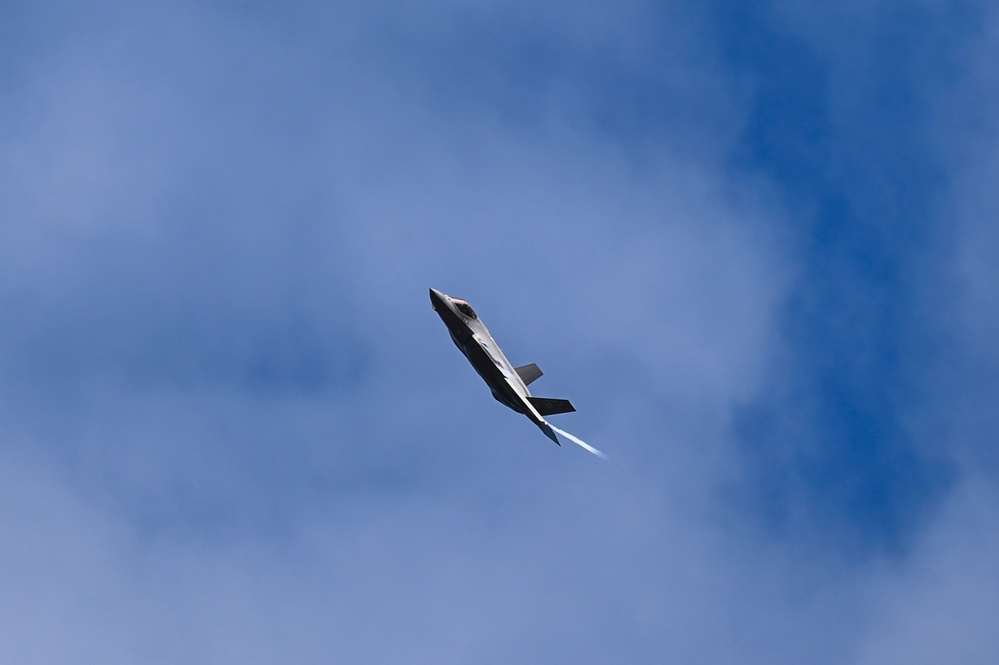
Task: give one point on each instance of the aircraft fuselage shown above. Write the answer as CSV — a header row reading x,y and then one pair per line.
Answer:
x,y
473,339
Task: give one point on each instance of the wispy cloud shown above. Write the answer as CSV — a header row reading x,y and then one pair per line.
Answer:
x,y
751,244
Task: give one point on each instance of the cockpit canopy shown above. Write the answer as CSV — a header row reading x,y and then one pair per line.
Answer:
x,y
464,308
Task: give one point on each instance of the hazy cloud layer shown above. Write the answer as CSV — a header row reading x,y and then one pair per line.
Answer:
x,y
753,246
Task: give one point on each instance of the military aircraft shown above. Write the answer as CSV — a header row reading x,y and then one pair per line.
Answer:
x,y
507,383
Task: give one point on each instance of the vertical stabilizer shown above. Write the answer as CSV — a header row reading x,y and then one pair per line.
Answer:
x,y
529,373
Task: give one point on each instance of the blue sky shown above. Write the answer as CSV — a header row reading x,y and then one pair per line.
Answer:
x,y
752,242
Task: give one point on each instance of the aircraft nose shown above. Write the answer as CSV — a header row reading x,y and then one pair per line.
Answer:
x,y
436,298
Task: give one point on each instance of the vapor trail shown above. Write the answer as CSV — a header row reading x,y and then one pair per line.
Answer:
x,y
579,441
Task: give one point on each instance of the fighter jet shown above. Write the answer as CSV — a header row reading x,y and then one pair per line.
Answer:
x,y
507,383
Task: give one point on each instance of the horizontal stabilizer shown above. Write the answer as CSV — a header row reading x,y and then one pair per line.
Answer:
x,y
529,373
547,406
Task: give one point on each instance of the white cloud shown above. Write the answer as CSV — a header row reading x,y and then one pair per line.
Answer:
x,y
943,603
209,193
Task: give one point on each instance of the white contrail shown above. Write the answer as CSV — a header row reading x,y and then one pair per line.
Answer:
x,y
579,441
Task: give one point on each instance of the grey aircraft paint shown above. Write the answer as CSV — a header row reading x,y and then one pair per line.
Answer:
x,y
507,383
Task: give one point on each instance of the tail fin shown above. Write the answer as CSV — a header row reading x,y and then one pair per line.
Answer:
x,y
547,406
529,373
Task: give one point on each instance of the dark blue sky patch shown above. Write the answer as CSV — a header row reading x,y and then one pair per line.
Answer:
x,y
788,127
864,187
